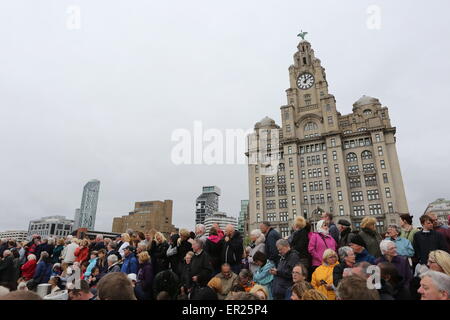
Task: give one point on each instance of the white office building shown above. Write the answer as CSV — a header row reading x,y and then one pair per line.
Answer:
x,y
52,226
221,218
18,235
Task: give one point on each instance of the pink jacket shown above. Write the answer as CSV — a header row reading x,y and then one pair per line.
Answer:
x,y
318,243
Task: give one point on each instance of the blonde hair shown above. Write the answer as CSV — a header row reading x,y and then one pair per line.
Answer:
x,y
144,256
190,253
125,237
160,235
369,222
300,222
184,233
258,287
442,259
328,253
85,243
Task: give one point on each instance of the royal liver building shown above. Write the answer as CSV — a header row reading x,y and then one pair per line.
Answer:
x,y
322,160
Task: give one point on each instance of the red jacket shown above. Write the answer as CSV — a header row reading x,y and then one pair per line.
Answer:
x,y
28,269
81,254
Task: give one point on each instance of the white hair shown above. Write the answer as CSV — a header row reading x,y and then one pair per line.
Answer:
x,y
31,257
256,233
440,280
3,291
69,237
51,241
200,227
385,244
112,258
99,237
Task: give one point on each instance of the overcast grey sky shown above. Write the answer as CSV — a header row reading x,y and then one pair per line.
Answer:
x,y
102,101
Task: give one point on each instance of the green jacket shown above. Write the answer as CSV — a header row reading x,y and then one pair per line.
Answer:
x,y
409,234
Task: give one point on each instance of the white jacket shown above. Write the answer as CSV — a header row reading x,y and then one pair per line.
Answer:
x,y
69,257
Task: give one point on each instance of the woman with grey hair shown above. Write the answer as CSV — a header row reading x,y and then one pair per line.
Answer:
x,y
404,246
113,264
434,286
347,258
389,254
257,244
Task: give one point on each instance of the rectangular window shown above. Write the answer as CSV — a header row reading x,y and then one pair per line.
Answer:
x,y
292,187
341,210
256,180
329,199
291,163
338,182
377,138
327,184
330,120
258,205
339,195
383,164
305,199
293,200
302,162
390,207
324,159
282,190
325,170
385,178
336,168
388,192
282,179
289,149
257,193
334,155
380,151
304,187
333,142
283,203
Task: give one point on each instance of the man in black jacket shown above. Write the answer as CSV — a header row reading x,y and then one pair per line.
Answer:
x,y
232,248
272,236
283,273
7,270
334,232
427,240
201,269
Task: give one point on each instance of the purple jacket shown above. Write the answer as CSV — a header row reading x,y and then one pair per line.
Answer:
x,y
145,276
318,243
402,266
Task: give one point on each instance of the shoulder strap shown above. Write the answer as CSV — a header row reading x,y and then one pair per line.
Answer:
x,y
323,239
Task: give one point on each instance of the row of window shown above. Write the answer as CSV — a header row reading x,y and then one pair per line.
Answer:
x,y
355,143
271,204
374,209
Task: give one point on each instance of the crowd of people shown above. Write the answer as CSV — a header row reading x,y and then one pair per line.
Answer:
x,y
331,263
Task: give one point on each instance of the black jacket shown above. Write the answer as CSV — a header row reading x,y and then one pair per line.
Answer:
x,y
159,256
7,269
214,250
232,249
283,279
345,237
272,236
166,280
201,267
300,243
372,240
334,232
183,248
425,242
338,272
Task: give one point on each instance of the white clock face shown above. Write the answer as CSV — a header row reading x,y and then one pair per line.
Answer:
x,y
305,81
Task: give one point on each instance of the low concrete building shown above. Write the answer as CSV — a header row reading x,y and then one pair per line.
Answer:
x,y
18,235
51,226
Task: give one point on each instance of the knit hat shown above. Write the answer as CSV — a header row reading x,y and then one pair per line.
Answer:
x,y
357,239
344,223
442,258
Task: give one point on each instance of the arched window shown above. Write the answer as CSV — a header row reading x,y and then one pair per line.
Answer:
x,y
365,155
310,126
367,112
352,157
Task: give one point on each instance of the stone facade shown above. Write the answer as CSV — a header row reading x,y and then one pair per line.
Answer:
x,y
441,208
147,215
324,161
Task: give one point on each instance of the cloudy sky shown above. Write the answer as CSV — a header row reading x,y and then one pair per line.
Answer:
x,y
101,99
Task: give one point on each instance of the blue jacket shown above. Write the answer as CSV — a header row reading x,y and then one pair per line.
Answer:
x,y
92,264
263,277
43,272
404,246
271,249
364,256
130,264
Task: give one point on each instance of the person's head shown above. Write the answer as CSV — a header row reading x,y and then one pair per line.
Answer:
x,y
44,256
60,242
388,248
299,288
260,291
31,257
283,246
259,258
20,295
163,295
329,257
143,257
83,293
245,276
128,251
216,226
112,246
369,223
327,216
51,241
229,230
322,227
434,286
393,231
347,255
84,266
7,253
115,286
125,237
406,220
159,238
112,259
343,225
184,234
94,254
426,222
439,260
355,288
85,243
299,223
264,226
389,272
95,271
141,247
101,253
360,270
99,238
299,273
434,218
225,269
212,231
140,236
313,294
200,229
188,257
357,243
255,234
197,245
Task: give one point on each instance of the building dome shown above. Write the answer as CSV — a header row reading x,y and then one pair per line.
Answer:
x,y
366,100
266,123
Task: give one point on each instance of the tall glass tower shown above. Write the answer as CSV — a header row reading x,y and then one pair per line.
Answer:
x,y
88,207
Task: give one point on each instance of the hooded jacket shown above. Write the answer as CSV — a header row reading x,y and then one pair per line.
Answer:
x,y
213,247
232,249
325,273
318,243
